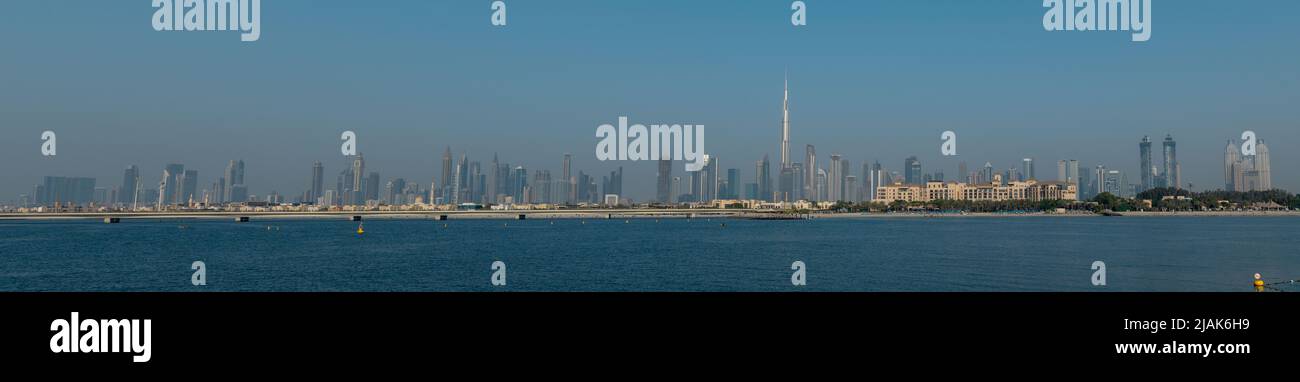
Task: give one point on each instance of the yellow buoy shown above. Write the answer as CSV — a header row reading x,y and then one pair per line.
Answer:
x,y
1259,282
361,228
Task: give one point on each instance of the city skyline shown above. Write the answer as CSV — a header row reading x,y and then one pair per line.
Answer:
x,y
464,181
857,89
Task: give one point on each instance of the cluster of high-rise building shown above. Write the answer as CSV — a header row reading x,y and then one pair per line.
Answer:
x,y
1167,175
463,181
1246,172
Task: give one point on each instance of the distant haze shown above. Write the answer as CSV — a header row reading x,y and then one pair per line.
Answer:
x,y
871,80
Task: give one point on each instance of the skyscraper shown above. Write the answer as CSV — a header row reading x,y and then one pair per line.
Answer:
x,y
613,184
478,182
343,187
876,179
170,185
810,173
445,181
358,181
785,182
785,127
851,188
823,187
163,185
733,184
541,187
62,191
317,183
130,185
494,181
1172,175
715,176
796,173
371,188
189,182
395,196
1145,167
912,171
835,180
520,177
568,190
1247,172
663,181
678,192
763,177
234,177
1068,171
1027,169
458,184
1263,176
1233,170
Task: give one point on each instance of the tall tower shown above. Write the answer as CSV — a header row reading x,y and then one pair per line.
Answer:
x,y
1232,168
1027,170
836,180
1144,156
130,179
1171,173
234,177
168,189
567,181
810,173
317,182
494,182
457,181
162,187
446,172
912,171
358,179
1264,172
664,189
785,126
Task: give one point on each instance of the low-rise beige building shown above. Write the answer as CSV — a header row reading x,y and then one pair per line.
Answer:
x,y
1027,190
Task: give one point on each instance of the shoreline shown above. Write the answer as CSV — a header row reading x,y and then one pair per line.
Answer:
x,y
604,215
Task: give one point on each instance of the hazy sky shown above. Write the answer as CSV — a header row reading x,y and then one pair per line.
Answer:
x,y
872,80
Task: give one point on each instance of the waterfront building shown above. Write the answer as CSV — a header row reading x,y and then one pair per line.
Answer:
x,y
1031,190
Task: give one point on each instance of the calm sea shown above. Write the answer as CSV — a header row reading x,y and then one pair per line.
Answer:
x,y
849,254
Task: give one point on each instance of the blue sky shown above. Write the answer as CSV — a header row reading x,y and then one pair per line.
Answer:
x,y
871,80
